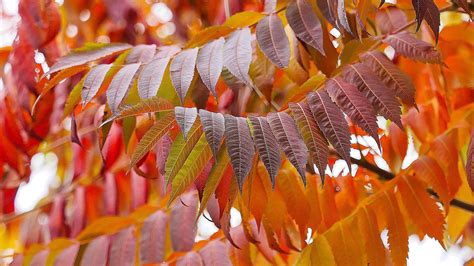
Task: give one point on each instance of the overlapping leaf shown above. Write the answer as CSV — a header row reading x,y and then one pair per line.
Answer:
x,y
239,146
390,75
238,55
151,137
331,121
271,38
182,71
382,99
289,140
214,126
142,53
428,11
209,63
185,118
93,81
267,146
342,16
329,10
151,76
312,136
120,85
305,24
354,104
406,44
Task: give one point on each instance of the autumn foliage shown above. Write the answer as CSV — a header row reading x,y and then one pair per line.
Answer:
x,y
322,123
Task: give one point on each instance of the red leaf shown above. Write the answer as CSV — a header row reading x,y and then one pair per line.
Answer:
x,y
328,8
267,146
408,45
390,19
290,141
122,248
239,146
190,259
427,10
215,253
182,230
67,256
271,38
96,252
152,238
331,122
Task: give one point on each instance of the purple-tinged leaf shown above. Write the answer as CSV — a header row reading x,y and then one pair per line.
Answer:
x,y
342,16
122,248
151,76
215,253
354,104
185,118
87,54
329,10
39,259
214,126
209,63
267,145
191,258
150,105
239,146
74,136
305,24
427,10
331,121
313,137
67,256
470,163
142,53
152,238
96,252
93,81
182,227
391,76
408,45
182,71
120,85
270,6
464,4
167,51
238,55
290,141
272,40
382,98
390,19
162,150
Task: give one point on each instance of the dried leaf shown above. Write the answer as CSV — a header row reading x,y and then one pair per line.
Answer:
x,y
272,39
267,145
209,63
239,146
290,141
182,71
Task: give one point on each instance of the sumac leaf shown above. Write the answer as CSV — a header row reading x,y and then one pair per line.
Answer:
x,y
151,137
182,71
240,146
122,248
142,53
191,258
305,24
267,145
93,81
215,253
272,39
150,105
151,76
331,121
312,136
209,63
289,140
391,76
120,85
329,10
408,45
87,54
214,126
342,16
182,227
470,163
427,10
354,104
390,19
238,55
382,99
152,238
185,118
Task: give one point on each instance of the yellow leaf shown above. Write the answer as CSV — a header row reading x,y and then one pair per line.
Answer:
x,y
243,19
369,230
208,34
344,245
104,226
317,253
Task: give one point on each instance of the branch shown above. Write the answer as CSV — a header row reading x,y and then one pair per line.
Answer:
x,y
386,175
